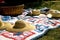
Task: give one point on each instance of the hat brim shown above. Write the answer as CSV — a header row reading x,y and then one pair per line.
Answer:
x,y
1,25
27,28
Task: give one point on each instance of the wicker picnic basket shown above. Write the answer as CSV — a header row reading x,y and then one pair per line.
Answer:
x,y
12,10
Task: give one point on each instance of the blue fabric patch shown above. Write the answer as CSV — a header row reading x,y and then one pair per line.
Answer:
x,y
5,18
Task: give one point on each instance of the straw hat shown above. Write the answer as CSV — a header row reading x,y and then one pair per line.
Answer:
x,y
4,25
1,25
20,26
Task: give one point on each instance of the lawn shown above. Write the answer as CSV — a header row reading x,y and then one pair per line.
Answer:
x,y
53,34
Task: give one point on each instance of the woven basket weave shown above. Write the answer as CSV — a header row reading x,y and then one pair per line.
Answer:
x,y
12,10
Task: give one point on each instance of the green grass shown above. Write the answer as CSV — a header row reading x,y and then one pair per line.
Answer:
x,y
56,6
52,5
52,35
55,33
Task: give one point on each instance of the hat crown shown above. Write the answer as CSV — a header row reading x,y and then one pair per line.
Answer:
x,y
19,24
